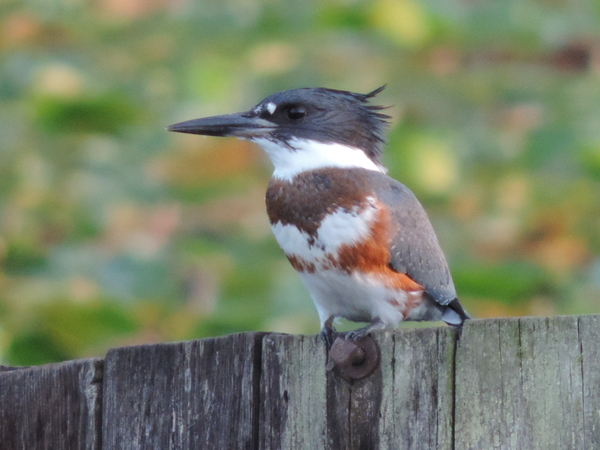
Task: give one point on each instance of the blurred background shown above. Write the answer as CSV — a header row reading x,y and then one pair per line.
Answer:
x,y
114,232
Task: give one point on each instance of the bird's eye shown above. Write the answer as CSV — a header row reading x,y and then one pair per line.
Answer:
x,y
296,112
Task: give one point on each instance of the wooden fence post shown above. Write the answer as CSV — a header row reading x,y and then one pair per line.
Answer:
x,y
55,406
528,383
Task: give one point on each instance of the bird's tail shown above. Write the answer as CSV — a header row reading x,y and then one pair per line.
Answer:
x,y
455,314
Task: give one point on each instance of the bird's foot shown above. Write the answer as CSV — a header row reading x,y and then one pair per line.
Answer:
x,y
328,333
360,333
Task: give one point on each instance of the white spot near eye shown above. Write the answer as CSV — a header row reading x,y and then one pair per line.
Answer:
x,y
271,107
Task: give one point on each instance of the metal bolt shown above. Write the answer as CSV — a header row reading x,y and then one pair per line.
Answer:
x,y
354,359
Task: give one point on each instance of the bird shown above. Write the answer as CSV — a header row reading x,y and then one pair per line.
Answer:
x,y
361,242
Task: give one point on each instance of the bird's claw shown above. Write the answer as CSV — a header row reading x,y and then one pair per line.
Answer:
x,y
357,335
328,336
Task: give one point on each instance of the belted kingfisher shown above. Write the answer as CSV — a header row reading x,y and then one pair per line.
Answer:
x,y
360,240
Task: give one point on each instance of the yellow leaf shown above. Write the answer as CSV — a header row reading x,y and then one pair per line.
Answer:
x,y
436,164
402,21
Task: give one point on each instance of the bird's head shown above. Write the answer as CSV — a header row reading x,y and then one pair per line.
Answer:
x,y
306,128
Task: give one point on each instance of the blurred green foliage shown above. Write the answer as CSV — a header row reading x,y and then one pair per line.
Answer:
x,y
114,232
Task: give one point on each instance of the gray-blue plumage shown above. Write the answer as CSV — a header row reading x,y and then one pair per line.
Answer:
x,y
415,249
330,116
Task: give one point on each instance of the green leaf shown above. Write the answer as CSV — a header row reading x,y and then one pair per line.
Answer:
x,y
104,114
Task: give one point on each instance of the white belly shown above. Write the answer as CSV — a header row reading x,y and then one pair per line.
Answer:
x,y
357,297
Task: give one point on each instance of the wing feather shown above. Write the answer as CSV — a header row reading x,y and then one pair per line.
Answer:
x,y
414,247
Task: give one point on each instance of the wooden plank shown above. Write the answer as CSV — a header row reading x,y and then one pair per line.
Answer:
x,y
188,395
293,409
406,403
489,409
518,385
552,383
417,389
589,337
354,409
54,406
304,406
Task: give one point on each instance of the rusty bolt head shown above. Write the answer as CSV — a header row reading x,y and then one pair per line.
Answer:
x,y
355,359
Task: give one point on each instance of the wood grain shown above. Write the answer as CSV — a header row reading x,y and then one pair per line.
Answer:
x,y
418,389
188,395
589,337
506,384
55,406
293,409
519,385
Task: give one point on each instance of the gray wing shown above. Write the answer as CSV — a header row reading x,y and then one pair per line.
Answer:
x,y
414,249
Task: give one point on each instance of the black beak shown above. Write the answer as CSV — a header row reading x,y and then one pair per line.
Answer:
x,y
242,125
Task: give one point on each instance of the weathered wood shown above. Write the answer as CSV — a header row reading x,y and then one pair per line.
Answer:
x,y
353,408
188,395
407,403
55,406
518,384
293,407
589,337
417,389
